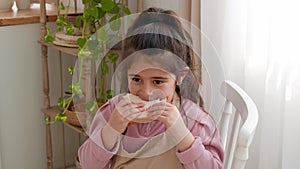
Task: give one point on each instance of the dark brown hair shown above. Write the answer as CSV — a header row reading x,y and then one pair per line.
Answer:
x,y
161,29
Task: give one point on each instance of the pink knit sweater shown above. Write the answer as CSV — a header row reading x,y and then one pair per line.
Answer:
x,y
206,152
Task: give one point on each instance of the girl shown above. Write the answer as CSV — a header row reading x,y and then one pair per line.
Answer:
x,y
159,64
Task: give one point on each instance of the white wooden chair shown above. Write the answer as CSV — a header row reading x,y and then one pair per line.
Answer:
x,y
237,128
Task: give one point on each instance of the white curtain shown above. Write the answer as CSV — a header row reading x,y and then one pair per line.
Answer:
x,y
258,44
260,50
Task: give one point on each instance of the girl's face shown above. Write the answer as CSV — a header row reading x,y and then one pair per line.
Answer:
x,y
150,82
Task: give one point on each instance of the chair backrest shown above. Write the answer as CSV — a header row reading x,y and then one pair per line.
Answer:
x,y
237,125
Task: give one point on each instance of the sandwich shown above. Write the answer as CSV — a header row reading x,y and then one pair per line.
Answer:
x,y
144,117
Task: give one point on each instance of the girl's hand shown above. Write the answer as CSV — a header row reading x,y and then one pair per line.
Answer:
x,y
165,112
124,112
170,116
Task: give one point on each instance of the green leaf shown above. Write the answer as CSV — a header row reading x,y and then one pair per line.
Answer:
x,y
115,9
61,102
70,28
71,70
61,6
86,1
75,88
60,117
97,56
92,44
81,42
107,5
115,22
83,53
93,11
115,17
102,34
126,10
113,57
85,16
101,13
49,38
110,93
93,47
101,94
61,21
47,120
78,21
91,106
104,68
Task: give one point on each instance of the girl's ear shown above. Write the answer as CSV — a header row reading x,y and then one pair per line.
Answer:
x,y
182,75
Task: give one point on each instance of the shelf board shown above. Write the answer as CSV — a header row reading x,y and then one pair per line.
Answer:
x,y
52,111
68,50
32,15
71,51
76,128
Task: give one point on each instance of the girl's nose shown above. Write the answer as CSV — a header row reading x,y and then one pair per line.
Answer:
x,y
150,92
146,92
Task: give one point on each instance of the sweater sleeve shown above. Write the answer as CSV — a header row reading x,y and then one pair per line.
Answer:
x,y
206,151
92,153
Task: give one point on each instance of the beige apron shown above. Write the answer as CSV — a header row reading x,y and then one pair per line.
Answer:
x,y
159,152
154,154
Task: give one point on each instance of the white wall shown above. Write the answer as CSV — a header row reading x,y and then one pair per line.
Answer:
x,y
22,131
21,125
166,4
0,161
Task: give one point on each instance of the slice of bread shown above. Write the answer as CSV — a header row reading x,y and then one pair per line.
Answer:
x,y
144,117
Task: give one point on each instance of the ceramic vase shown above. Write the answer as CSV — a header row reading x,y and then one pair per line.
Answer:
x,y
5,5
23,4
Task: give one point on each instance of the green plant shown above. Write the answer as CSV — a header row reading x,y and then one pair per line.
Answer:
x,y
94,17
92,43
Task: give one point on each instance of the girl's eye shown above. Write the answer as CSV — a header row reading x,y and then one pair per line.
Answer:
x,y
135,79
157,82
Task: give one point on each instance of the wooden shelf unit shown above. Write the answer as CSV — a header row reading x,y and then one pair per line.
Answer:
x,y
52,111
48,110
30,16
67,50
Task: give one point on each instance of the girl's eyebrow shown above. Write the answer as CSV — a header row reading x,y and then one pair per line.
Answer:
x,y
154,77
159,77
133,75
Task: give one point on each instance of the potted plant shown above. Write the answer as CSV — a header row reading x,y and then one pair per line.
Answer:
x,y
92,45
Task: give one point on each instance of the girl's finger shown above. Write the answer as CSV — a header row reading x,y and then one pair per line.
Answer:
x,y
125,106
160,118
132,111
156,109
161,103
133,116
130,107
157,106
156,115
123,102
